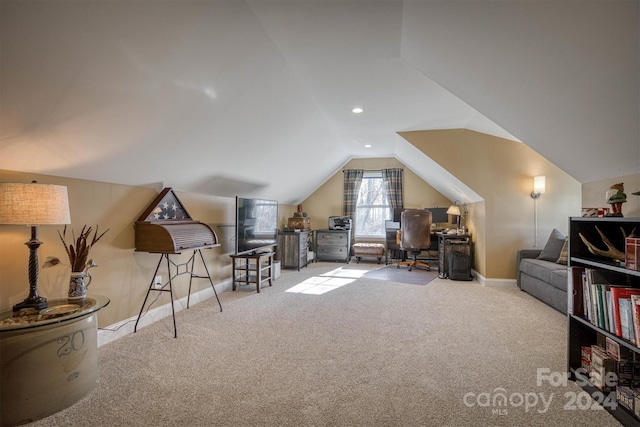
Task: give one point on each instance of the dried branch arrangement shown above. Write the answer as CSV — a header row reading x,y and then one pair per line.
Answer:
x,y
79,254
611,252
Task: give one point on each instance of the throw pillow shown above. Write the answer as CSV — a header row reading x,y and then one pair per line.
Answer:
x,y
553,247
564,253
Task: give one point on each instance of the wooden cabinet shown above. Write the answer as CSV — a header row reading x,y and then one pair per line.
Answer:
x,y
585,327
293,249
252,269
333,245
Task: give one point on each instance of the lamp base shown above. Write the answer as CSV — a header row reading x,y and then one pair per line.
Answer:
x,y
37,303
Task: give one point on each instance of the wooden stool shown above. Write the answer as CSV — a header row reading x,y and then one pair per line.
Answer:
x,y
368,250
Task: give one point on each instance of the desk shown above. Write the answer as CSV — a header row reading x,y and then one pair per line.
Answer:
x,y
49,364
447,244
393,250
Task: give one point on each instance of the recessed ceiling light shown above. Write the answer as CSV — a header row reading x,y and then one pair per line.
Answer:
x,y
357,110
368,145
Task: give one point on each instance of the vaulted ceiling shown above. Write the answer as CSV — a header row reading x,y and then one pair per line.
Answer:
x,y
255,97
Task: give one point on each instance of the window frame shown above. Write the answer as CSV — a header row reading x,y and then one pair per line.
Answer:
x,y
369,175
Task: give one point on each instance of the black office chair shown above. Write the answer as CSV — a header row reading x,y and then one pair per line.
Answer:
x,y
415,235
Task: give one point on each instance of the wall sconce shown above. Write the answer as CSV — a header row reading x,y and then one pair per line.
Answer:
x,y
33,204
538,186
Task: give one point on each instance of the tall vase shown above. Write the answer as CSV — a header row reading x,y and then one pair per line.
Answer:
x,y
78,284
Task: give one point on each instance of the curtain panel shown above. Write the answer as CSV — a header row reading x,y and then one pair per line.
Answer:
x,y
352,182
392,179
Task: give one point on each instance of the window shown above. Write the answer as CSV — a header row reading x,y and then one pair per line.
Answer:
x,y
372,208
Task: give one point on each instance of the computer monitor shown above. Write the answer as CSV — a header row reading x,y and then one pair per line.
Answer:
x,y
439,215
397,213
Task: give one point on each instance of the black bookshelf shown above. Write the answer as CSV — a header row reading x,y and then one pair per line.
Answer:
x,y
581,331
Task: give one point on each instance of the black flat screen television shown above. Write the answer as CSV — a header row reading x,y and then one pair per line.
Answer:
x,y
256,225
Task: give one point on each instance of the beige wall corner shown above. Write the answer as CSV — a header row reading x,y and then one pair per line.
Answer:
x,y
501,171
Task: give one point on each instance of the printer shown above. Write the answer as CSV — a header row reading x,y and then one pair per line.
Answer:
x,y
339,223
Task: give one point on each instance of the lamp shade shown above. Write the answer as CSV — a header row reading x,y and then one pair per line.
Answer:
x,y
453,210
33,204
538,184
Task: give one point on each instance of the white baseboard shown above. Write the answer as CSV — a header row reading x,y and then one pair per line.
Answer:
x,y
125,327
494,283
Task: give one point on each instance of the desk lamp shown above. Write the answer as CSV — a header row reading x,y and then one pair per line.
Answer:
x,y
458,209
454,210
33,205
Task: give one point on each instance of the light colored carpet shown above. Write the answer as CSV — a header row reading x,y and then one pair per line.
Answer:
x,y
363,354
393,273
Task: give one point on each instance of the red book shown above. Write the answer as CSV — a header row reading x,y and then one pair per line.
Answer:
x,y
616,294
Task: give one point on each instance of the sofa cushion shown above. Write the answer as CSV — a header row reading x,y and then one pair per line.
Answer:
x,y
553,247
547,271
564,253
559,279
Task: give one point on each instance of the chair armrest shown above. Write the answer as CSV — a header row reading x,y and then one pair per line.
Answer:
x,y
527,253
524,254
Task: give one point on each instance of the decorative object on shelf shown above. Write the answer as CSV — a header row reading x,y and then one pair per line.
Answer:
x,y
611,252
632,253
539,187
616,197
299,221
79,259
33,204
594,212
78,285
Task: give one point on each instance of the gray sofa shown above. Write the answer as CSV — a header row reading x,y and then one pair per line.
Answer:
x,y
543,274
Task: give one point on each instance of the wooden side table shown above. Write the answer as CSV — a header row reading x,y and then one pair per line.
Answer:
x,y
49,364
252,269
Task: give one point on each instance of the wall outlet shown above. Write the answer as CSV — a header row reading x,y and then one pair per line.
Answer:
x,y
158,282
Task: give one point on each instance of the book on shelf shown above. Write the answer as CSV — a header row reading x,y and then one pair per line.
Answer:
x,y
609,308
576,301
608,305
635,316
598,298
626,320
594,288
603,365
619,294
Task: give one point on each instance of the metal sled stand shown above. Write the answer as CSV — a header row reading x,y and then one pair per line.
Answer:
x,y
179,269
